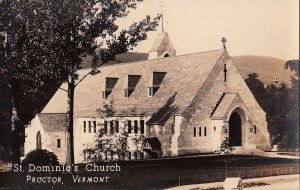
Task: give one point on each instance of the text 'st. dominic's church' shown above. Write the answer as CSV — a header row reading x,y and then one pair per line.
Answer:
x,y
184,104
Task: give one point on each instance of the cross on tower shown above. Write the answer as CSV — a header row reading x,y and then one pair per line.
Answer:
x,y
223,40
162,16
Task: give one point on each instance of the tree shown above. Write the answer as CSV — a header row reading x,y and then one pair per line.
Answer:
x,y
114,143
281,103
257,88
20,72
291,135
48,39
225,149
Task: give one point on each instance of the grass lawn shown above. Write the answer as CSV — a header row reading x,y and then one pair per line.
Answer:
x,y
159,174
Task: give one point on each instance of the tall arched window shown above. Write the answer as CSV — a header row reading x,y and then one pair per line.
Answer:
x,y
204,131
195,131
38,141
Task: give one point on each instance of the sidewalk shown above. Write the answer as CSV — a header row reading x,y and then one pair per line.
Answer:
x,y
287,182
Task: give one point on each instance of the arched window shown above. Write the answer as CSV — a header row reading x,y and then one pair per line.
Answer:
x,y
204,131
38,141
166,55
199,131
195,132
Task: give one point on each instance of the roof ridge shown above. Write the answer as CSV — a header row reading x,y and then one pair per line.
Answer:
x,y
149,60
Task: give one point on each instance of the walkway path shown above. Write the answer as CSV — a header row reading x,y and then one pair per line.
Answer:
x,y
283,182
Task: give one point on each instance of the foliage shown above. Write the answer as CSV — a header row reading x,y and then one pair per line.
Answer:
x,y
114,143
281,103
47,40
257,88
40,157
225,148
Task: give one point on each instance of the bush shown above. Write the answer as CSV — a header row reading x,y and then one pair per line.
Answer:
x,y
40,157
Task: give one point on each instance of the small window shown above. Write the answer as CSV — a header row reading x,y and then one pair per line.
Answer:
x,y
132,82
90,127
156,82
136,126
129,126
195,131
111,126
105,126
199,131
95,127
150,91
142,123
254,128
205,131
110,83
126,94
84,126
117,126
103,96
158,78
58,143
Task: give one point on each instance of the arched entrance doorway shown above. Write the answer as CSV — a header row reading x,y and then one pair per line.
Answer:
x,y
38,141
235,129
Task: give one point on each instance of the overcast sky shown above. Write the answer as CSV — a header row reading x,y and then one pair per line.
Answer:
x,y
252,27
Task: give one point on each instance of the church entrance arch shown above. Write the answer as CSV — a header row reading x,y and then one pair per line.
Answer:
x,y
236,121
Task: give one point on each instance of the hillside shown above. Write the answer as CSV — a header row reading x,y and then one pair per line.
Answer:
x,y
266,68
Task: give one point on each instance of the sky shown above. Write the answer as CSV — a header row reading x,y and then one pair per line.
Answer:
x,y
251,27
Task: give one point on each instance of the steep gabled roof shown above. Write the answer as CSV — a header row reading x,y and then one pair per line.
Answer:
x,y
160,37
185,75
224,105
53,122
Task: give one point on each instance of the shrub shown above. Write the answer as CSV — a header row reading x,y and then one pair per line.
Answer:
x,y
40,157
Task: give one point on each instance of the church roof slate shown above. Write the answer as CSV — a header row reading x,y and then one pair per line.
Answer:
x,y
185,75
224,105
53,122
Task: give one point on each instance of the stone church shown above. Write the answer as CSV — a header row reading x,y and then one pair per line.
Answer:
x,y
184,104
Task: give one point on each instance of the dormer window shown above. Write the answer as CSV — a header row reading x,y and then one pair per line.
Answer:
x,y
132,82
156,82
109,85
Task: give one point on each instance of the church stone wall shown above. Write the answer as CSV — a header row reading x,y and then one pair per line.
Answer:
x,y
48,140
164,133
198,113
51,145
237,83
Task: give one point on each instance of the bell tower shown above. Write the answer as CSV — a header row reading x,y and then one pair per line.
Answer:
x,y
162,46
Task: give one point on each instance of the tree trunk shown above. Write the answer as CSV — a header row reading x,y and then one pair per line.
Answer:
x,y
15,140
70,120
